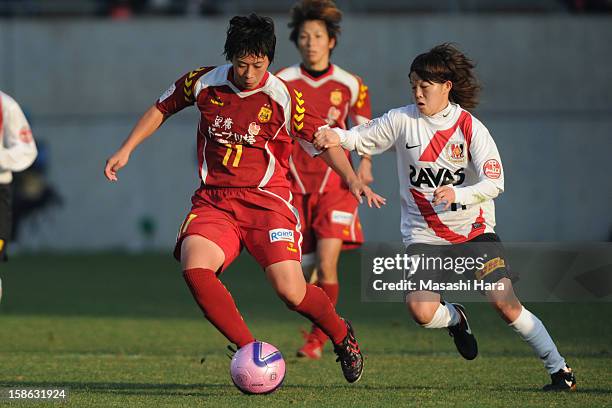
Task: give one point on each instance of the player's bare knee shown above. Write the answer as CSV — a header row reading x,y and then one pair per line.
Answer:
x,y
199,252
509,309
505,302
422,312
327,271
292,297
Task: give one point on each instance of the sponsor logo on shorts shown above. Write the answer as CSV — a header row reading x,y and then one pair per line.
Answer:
x,y
341,217
291,248
281,234
490,266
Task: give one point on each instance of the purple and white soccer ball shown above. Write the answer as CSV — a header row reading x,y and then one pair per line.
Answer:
x,y
257,368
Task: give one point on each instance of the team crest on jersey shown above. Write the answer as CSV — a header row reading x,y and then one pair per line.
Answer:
x,y
265,114
335,97
455,152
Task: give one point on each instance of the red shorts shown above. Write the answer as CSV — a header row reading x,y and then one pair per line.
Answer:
x,y
264,221
329,215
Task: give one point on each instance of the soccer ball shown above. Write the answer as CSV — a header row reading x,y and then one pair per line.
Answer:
x,y
257,368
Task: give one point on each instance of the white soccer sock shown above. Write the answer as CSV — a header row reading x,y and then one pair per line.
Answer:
x,y
446,315
531,329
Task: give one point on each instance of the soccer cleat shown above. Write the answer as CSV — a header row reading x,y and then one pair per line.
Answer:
x,y
232,351
562,380
349,355
312,349
462,335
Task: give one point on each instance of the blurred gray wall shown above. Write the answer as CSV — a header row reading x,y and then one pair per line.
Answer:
x,y
547,101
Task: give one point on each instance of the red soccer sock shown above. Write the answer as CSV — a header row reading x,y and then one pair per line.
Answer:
x,y
331,290
317,307
217,304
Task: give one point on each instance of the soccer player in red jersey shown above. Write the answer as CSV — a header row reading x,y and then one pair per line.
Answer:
x,y
247,120
328,210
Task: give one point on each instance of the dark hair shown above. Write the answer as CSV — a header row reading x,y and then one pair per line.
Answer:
x,y
446,63
250,35
324,10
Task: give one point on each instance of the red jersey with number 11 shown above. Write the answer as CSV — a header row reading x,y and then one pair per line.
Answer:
x,y
244,136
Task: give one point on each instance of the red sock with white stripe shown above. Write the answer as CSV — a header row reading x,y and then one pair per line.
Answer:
x,y
331,290
218,305
317,307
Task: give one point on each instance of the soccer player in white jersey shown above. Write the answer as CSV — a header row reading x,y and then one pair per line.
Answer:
x,y
17,153
449,172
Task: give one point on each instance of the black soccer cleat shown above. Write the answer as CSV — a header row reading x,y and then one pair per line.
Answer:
x,y
462,335
232,351
562,380
349,355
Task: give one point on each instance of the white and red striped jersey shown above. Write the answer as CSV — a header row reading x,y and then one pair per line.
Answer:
x,y
17,147
449,148
339,96
244,137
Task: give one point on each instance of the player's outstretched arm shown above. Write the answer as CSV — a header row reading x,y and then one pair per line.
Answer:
x,y
373,137
364,171
325,137
336,159
145,127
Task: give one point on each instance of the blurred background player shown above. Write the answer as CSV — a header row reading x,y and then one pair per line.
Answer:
x,y
247,120
17,153
328,210
451,213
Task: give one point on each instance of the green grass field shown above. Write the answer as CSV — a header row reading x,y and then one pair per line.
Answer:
x,y
123,331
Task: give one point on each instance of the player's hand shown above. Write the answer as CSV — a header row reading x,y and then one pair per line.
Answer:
x,y
325,138
364,172
114,163
359,189
444,194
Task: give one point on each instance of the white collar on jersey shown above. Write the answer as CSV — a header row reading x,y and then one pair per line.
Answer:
x,y
444,112
442,118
